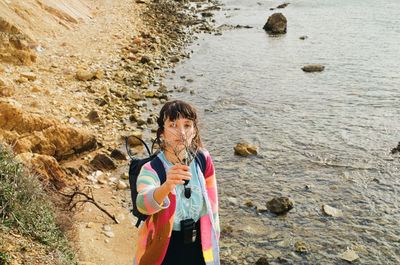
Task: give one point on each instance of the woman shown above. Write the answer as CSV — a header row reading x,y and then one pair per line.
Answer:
x,y
183,223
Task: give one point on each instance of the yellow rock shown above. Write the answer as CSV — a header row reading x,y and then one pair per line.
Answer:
x,y
99,74
149,94
29,75
3,82
35,89
137,40
349,255
22,80
6,91
243,149
83,75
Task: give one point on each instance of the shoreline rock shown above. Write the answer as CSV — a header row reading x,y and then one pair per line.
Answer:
x,y
311,68
280,205
276,24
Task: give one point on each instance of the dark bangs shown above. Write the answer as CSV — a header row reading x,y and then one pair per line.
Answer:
x,y
176,109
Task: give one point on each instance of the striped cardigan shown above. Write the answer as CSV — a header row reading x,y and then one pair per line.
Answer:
x,y
154,234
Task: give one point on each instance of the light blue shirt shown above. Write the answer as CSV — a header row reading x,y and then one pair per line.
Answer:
x,y
195,206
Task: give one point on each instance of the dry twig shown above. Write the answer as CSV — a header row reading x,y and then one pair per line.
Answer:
x,y
75,199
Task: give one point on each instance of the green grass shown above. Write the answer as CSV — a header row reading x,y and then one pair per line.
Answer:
x,y
26,207
4,258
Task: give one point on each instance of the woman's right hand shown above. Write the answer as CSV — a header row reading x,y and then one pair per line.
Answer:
x,y
176,175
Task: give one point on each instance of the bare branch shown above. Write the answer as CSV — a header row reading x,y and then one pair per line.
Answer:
x,y
77,194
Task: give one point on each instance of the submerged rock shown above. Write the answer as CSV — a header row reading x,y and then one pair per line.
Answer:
x,y
330,211
244,149
313,68
262,261
280,205
226,230
301,247
283,5
349,255
396,149
276,24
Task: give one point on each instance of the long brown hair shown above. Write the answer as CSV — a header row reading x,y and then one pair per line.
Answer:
x,y
174,110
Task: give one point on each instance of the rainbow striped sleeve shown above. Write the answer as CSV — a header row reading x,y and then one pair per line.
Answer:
x,y
147,183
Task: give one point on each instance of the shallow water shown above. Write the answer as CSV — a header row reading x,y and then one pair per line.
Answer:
x,y
332,130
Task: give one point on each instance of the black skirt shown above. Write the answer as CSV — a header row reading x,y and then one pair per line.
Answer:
x,y
179,253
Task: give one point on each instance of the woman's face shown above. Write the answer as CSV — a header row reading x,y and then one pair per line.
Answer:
x,y
178,134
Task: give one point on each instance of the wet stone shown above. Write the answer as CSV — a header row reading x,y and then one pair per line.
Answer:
x,y
349,255
244,149
262,261
283,5
249,203
226,230
280,205
232,201
331,211
311,68
301,247
276,24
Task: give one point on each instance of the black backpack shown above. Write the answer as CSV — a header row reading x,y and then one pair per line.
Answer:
x,y
135,166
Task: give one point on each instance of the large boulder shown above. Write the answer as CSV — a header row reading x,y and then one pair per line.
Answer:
x,y
14,47
39,142
33,133
276,24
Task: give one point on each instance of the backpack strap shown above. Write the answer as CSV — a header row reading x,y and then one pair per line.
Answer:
x,y
201,160
158,166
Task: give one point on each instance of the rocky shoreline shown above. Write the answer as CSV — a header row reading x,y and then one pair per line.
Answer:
x,y
87,89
